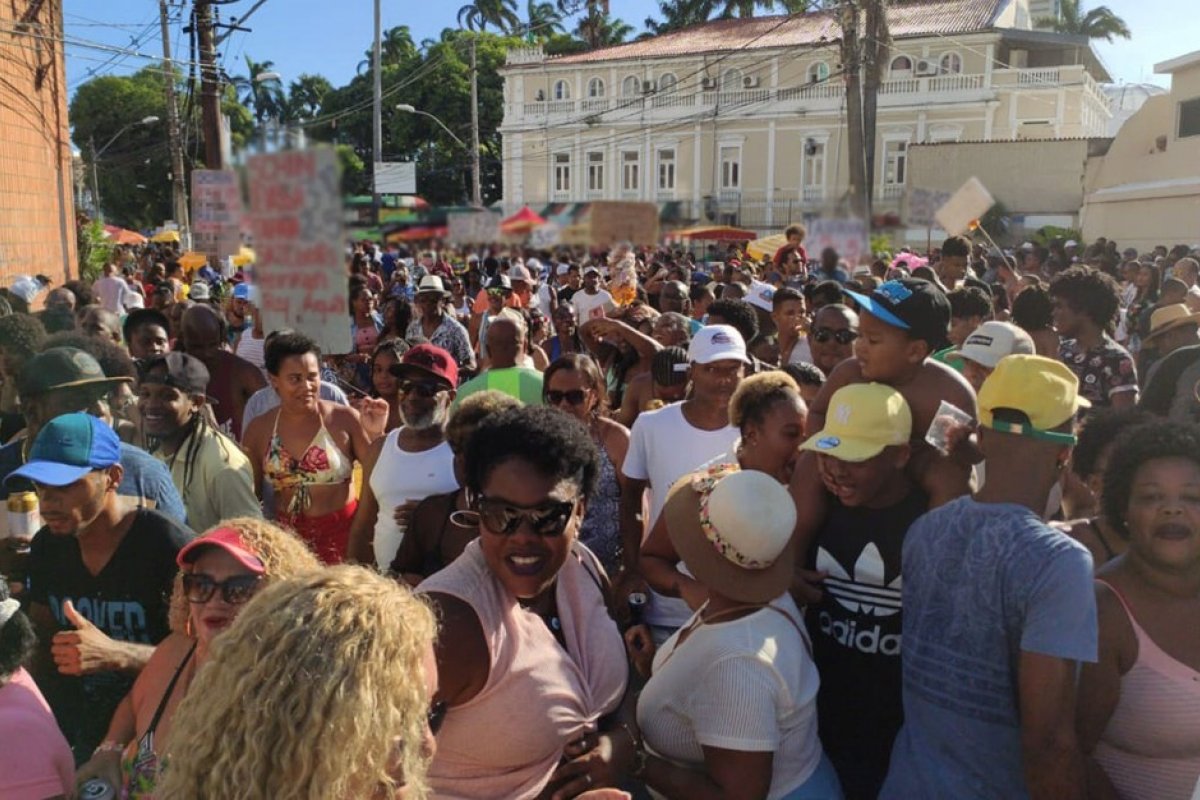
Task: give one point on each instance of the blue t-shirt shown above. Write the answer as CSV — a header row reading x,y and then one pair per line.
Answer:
x,y
983,582
145,476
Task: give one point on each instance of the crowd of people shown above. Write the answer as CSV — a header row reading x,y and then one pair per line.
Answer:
x,y
789,529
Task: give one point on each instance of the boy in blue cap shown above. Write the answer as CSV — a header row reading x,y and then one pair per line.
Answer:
x,y
100,573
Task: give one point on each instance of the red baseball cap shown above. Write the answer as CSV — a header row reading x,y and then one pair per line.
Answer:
x,y
229,540
427,360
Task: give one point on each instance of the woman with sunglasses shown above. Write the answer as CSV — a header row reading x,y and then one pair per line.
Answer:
x,y
574,384
219,571
527,650
320,689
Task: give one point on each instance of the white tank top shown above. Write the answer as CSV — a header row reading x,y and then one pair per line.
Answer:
x,y
400,476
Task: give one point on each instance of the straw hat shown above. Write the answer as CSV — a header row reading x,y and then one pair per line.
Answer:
x,y
733,528
1170,317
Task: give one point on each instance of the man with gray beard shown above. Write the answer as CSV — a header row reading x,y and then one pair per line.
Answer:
x,y
409,463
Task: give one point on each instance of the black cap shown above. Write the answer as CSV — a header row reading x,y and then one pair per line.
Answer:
x,y
63,368
178,370
910,304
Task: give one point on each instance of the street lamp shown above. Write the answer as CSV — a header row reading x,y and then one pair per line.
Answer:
x,y
476,196
97,153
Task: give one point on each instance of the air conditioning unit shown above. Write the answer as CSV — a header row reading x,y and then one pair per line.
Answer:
x,y
708,84
750,82
648,87
926,67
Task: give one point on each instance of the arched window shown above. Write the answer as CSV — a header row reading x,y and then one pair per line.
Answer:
x,y
950,64
731,80
667,82
631,86
901,67
595,88
818,71
562,90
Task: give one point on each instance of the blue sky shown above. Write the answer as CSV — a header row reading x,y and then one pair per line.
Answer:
x,y
304,36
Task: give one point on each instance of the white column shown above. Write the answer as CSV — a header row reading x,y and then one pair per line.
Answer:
x,y
644,170
579,171
696,147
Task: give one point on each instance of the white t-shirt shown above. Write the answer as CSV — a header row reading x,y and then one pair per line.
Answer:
x,y
801,352
663,447
747,684
400,476
591,306
111,291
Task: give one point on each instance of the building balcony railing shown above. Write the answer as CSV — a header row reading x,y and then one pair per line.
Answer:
x,y
821,96
890,191
813,194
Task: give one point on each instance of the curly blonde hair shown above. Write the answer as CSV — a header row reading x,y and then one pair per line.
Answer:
x,y
305,695
283,554
755,395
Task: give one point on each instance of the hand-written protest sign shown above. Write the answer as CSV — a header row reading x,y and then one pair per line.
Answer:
x,y
295,212
923,204
847,236
216,213
473,227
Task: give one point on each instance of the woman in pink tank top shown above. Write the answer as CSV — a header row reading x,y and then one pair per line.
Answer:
x,y
1139,706
532,670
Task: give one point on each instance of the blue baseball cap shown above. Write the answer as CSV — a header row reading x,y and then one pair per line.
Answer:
x,y
911,304
241,291
67,448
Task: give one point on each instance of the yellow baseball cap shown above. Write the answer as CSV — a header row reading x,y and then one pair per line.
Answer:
x,y
1043,389
862,420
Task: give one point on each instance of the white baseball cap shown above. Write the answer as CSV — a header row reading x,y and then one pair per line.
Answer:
x,y
992,341
761,295
518,272
562,269
717,343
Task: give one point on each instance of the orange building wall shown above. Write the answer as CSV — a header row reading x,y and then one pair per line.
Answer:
x,y
37,212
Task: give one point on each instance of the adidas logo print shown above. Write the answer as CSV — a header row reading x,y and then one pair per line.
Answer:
x,y
861,593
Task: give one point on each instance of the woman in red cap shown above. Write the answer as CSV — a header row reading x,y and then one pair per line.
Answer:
x,y
219,571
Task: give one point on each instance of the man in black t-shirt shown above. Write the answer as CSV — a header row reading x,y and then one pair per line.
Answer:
x,y
861,454
100,576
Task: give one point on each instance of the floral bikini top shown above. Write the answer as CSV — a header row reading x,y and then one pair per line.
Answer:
x,y
322,463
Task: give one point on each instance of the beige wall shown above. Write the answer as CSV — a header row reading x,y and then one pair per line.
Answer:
x,y
1028,177
37,215
1146,190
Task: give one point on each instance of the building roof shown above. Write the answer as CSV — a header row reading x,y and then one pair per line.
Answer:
x,y
931,18
1177,63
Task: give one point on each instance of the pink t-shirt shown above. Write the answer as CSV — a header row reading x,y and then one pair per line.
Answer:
x,y
38,763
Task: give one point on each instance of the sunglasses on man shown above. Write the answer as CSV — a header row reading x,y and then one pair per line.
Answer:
x,y
425,389
843,336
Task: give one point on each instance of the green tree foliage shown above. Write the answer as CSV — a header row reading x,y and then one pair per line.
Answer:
x,y
95,250
265,98
1098,23
306,95
598,29
677,14
484,14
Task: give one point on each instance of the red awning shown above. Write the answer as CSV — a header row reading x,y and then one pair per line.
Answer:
x,y
523,221
713,233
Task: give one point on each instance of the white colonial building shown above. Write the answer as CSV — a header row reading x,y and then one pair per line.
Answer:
x,y
742,121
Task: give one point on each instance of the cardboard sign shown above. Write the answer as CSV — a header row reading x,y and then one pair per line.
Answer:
x,y
545,236
473,227
216,213
923,204
295,214
969,203
611,222
848,236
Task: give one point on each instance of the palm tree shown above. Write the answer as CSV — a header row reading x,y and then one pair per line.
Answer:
x,y
727,9
1099,23
502,14
601,30
306,95
678,14
265,98
543,18
395,47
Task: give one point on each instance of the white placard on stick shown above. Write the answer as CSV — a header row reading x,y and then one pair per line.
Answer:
x,y
216,213
295,213
968,204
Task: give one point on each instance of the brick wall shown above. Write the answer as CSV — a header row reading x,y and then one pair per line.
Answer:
x,y
37,213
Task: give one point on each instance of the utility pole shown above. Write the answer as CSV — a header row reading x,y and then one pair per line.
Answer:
x,y
377,110
476,186
95,181
210,86
851,54
178,178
